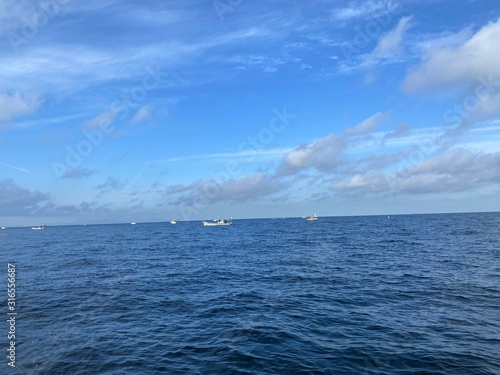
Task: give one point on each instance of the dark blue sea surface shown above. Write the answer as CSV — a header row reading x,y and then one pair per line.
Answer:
x,y
406,294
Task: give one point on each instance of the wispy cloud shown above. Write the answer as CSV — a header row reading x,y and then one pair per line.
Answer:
x,y
401,130
252,153
265,63
111,184
13,166
179,188
389,44
142,114
357,10
16,104
103,120
366,126
72,173
70,80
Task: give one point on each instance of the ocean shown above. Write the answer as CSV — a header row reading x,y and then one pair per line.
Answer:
x,y
405,294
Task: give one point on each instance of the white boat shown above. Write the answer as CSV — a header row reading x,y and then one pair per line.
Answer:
x,y
312,218
217,222
133,223
174,221
39,227
3,227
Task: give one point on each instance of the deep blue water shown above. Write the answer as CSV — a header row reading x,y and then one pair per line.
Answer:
x,y
411,294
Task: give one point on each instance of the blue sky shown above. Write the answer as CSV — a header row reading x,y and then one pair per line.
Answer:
x,y
118,111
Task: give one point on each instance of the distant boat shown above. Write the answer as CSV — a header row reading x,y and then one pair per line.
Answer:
x,y
39,227
312,218
133,223
174,221
217,222
3,227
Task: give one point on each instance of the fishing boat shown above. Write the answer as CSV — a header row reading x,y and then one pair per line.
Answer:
x,y
312,218
40,227
217,222
174,221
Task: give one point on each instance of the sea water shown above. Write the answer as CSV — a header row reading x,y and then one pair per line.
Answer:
x,y
406,294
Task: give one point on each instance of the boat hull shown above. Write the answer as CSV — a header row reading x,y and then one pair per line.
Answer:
x,y
312,218
215,224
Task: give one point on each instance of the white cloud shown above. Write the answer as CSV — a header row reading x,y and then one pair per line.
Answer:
x,y
51,66
456,171
468,68
452,66
389,45
363,9
367,183
179,188
325,154
142,113
382,160
252,187
266,63
239,190
366,126
401,130
468,166
349,162
103,120
15,105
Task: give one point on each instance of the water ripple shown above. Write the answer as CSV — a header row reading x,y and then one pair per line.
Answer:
x,y
365,295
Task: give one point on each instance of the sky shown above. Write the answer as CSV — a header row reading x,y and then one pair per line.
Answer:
x,y
120,111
